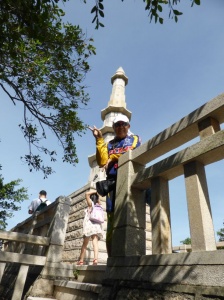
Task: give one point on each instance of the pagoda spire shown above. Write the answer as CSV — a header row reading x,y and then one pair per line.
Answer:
x,y
119,80
116,106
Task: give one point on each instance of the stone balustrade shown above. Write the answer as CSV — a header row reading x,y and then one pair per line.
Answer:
x,y
196,271
134,177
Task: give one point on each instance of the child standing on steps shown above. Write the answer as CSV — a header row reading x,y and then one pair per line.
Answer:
x,y
91,229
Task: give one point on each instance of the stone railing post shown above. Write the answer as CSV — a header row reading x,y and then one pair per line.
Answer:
x,y
199,210
54,266
130,215
200,216
160,216
58,230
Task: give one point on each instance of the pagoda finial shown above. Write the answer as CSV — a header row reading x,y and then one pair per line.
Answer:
x,y
119,80
120,74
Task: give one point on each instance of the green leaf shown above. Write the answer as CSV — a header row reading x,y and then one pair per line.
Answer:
x,y
160,9
101,13
93,9
177,12
101,6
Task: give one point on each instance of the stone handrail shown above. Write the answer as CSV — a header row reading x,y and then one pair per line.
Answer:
x,y
37,241
134,177
187,248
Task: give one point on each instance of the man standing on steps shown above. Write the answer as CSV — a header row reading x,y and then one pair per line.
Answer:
x,y
41,201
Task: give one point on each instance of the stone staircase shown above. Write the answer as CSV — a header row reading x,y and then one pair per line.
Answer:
x,y
86,286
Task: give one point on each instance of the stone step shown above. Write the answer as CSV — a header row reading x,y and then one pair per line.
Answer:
x,y
90,274
39,298
64,289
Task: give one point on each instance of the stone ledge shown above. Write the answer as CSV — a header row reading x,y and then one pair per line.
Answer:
x,y
40,298
177,288
88,287
192,269
174,259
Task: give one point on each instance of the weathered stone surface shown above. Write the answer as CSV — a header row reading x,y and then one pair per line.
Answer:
x,y
144,290
42,287
136,294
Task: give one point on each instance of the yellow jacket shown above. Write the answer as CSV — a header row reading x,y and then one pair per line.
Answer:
x,y
114,149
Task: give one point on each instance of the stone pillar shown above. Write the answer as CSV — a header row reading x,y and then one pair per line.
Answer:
x,y
58,230
130,215
199,210
160,216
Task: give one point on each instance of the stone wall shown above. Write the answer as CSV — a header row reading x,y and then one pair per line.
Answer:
x,y
73,239
197,275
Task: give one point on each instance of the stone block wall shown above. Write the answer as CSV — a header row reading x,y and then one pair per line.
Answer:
x,y
182,276
73,239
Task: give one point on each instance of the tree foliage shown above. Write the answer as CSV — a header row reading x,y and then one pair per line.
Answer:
x,y
155,9
43,63
220,234
10,197
187,241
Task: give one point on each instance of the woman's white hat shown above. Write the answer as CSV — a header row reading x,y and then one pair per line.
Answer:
x,y
120,118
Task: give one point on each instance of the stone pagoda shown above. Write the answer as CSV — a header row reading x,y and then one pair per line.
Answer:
x,y
116,106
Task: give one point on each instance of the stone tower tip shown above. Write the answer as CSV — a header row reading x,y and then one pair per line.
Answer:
x,y
120,70
120,74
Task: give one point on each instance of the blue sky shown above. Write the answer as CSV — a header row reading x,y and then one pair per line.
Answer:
x,y
172,68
